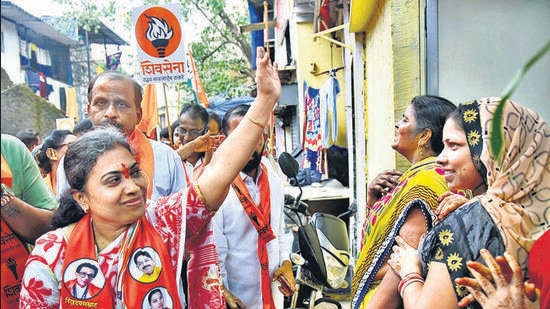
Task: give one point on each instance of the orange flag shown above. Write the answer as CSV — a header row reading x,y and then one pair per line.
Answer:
x,y
196,83
150,117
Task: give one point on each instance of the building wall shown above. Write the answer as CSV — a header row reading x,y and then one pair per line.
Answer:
x,y
393,77
482,44
11,61
390,49
10,52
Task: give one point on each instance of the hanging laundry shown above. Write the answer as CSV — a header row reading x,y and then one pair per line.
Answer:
x,y
62,100
327,99
32,79
323,21
313,154
312,124
43,85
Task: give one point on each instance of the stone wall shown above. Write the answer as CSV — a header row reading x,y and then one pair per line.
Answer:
x,y
22,109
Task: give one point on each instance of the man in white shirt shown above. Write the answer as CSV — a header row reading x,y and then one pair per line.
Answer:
x,y
252,242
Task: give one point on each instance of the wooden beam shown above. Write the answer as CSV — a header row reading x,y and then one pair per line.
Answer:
x,y
258,26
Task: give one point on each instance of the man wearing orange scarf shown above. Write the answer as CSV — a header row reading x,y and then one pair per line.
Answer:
x,y
115,99
252,244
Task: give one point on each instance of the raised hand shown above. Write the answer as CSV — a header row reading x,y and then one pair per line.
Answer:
x,y
508,291
267,75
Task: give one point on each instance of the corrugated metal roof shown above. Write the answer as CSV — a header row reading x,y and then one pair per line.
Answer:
x,y
104,35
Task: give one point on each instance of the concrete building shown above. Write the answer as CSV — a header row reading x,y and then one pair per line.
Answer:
x,y
383,53
51,56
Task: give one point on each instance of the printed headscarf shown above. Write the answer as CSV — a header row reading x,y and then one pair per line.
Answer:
x,y
518,193
469,113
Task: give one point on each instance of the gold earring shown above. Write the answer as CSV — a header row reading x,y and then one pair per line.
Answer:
x,y
84,209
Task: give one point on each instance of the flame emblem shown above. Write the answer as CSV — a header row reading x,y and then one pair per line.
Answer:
x,y
159,33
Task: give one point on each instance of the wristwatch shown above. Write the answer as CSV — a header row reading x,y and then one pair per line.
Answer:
x,y
7,195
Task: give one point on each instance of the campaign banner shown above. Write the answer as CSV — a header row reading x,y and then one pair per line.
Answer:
x,y
160,43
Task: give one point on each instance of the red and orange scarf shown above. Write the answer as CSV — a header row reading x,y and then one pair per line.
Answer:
x,y
129,290
259,217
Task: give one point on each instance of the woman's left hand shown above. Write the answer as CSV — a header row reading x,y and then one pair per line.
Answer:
x,y
448,202
404,259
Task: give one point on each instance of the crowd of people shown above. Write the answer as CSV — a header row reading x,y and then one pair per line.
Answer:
x,y
198,221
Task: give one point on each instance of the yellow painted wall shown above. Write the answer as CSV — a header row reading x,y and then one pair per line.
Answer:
x,y
392,78
391,53
318,51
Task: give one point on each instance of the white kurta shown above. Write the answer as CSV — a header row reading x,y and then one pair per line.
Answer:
x,y
237,243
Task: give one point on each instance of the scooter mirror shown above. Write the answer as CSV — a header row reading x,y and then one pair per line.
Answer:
x,y
288,164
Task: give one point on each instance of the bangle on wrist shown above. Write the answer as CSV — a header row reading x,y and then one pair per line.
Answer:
x,y
256,122
7,195
407,280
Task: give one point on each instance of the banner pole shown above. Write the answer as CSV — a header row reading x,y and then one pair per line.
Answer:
x,y
167,116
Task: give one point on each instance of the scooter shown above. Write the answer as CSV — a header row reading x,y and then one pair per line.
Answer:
x,y
323,255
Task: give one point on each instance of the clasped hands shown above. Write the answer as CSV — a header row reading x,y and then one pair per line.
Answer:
x,y
508,290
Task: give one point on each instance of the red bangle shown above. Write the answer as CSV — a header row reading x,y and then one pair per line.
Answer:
x,y
409,282
409,278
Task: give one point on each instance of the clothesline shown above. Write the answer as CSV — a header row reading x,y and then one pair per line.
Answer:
x,y
329,71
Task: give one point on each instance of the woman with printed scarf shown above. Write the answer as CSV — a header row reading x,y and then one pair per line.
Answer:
x,y
509,216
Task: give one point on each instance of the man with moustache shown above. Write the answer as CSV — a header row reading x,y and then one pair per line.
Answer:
x,y
252,243
115,99
145,263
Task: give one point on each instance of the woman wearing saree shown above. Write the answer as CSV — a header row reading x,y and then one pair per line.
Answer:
x,y
510,216
105,220
390,211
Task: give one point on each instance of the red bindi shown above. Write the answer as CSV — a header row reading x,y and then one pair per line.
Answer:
x,y
125,171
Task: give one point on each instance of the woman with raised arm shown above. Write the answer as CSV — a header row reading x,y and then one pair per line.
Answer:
x,y
105,219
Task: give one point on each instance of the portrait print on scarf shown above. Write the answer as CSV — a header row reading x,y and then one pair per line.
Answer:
x,y
130,289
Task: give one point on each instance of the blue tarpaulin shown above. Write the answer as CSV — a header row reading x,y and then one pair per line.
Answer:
x,y
220,105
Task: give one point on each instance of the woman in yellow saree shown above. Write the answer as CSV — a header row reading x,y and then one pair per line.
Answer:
x,y
395,204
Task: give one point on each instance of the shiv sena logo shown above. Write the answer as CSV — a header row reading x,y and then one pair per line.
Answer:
x,y
158,32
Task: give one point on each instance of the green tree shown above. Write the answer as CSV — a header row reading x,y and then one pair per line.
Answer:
x,y
222,55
